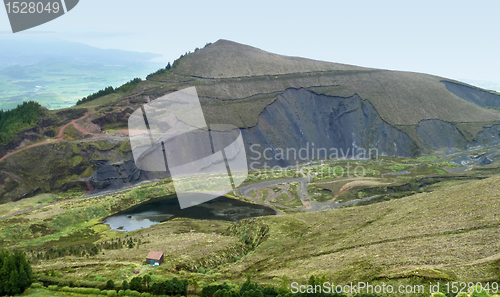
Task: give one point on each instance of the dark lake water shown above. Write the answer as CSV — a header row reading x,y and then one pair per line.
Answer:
x,y
154,212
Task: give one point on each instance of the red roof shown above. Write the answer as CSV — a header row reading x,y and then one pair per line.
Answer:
x,y
154,255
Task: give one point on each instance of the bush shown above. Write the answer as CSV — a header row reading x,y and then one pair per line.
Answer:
x,y
37,285
112,293
210,290
65,289
88,291
121,293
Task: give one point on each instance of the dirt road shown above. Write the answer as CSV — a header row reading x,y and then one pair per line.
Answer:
x,y
58,137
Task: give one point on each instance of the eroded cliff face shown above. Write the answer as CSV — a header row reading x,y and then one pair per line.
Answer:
x,y
344,127
440,135
118,176
324,126
473,95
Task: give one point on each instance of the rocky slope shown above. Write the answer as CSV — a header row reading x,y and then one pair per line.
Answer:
x,y
277,101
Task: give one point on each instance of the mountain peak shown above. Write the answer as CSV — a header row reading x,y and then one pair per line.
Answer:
x,y
225,58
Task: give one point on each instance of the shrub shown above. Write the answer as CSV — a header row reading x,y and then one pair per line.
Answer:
x,y
210,290
65,289
37,285
112,293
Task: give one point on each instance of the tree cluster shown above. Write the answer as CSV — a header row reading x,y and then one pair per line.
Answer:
x,y
160,71
100,93
248,289
172,287
19,118
15,273
110,90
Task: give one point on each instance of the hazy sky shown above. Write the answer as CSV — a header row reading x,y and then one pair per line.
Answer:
x,y
455,39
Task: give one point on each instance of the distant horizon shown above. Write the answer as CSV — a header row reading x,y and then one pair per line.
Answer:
x,y
481,83
452,39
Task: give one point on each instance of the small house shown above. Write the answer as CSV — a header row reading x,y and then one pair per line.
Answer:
x,y
154,258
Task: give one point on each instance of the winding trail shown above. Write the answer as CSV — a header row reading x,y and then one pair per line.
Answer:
x,y
302,190
58,137
26,147
77,126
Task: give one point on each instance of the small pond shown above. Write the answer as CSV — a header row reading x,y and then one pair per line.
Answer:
x,y
160,210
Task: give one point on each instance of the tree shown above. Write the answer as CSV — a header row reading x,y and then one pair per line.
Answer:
x,y
15,273
13,284
124,285
248,286
136,283
194,281
24,280
146,280
110,284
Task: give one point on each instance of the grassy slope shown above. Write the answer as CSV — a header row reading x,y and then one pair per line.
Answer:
x,y
449,234
436,232
225,59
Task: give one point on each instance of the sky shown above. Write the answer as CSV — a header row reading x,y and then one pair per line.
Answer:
x,y
454,39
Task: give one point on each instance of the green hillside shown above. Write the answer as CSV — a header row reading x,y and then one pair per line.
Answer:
x,y
444,236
